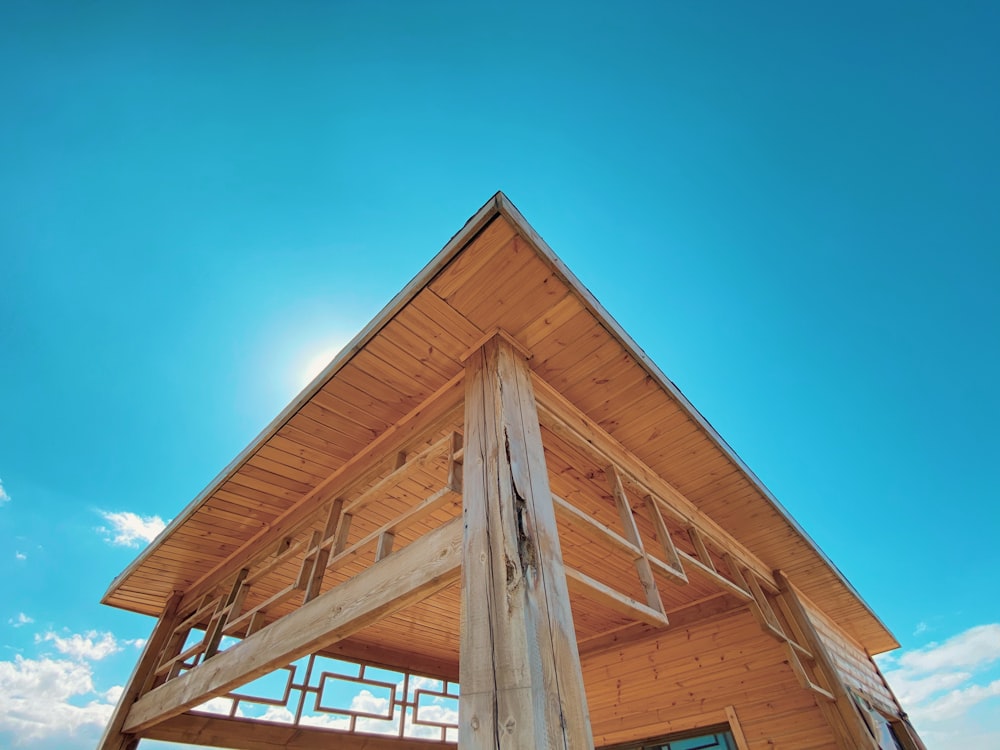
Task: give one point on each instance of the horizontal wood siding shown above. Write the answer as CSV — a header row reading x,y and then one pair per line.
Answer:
x,y
856,669
686,678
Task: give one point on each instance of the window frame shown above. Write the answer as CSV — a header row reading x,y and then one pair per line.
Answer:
x,y
654,743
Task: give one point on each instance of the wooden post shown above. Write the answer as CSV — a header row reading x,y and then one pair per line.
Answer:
x,y
858,735
522,686
114,738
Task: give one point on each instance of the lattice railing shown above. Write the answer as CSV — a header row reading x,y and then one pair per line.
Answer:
x,y
342,538
336,694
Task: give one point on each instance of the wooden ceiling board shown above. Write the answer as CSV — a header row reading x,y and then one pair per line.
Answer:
x,y
338,430
437,340
564,306
413,352
284,470
285,453
353,404
595,381
485,289
567,342
590,369
307,434
476,250
448,318
526,299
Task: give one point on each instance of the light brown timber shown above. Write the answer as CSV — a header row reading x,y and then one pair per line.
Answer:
x,y
225,732
859,736
427,565
433,411
114,737
519,668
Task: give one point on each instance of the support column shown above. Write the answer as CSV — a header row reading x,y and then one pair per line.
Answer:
x,y
857,733
520,676
114,738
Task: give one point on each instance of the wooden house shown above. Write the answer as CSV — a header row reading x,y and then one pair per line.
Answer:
x,y
492,520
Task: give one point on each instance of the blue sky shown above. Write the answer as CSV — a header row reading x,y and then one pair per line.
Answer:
x,y
790,207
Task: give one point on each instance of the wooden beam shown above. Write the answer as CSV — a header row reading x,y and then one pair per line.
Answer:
x,y
427,417
115,738
227,610
595,531
858,734
694,566
323,554
736,728
567,422
247,734
427,565
631,530
522,686
385,542
616,601
635,352
760,608
409,516
700,550
376,493
673,562
377,654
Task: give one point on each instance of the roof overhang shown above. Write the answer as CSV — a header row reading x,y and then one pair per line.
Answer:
x,y
516,283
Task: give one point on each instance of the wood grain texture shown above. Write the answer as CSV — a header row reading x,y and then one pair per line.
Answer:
x,y
427,565
224,732
519,667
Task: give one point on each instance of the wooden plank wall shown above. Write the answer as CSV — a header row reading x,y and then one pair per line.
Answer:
x,y
686,678
856,669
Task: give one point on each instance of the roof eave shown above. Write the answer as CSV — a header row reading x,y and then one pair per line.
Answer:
x,y
498,205
479,221
510,212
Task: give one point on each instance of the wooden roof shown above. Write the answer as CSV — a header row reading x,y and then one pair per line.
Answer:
x,y
495,273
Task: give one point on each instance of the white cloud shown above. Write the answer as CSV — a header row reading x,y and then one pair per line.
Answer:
x,y
977,646
955,703
4,497
36,693
129,529
18,555
960,734
942,684
432,712
20,621
278,714
221,705
329,721
92,645
362,702
113,694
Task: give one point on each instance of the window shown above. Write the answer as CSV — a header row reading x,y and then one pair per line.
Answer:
x,y
713,738
880,726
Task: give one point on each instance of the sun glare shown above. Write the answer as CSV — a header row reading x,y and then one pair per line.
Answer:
x,y
315,360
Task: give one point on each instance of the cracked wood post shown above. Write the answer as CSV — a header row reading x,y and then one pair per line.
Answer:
x,y
520,676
